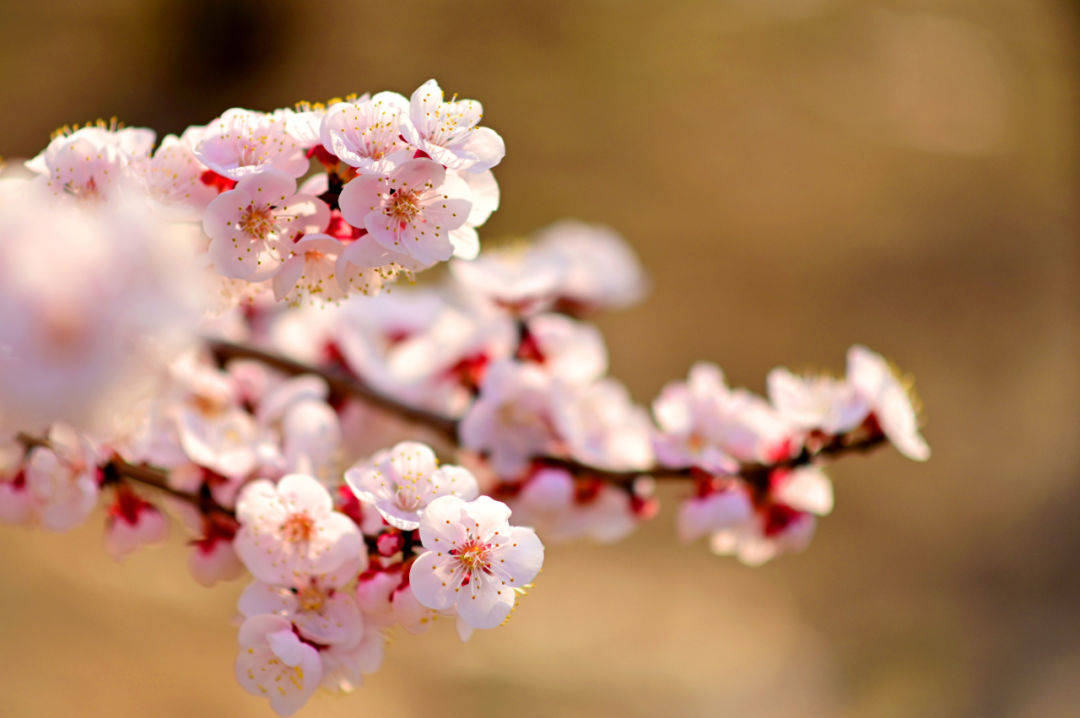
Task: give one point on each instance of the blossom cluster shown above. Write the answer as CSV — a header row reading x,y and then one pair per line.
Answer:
x,y
399,184
260,422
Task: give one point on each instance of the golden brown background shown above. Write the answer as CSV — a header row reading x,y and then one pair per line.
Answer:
x,y
798,175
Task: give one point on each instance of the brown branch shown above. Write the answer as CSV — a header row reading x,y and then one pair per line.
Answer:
x,y
117,469
756,474
340,382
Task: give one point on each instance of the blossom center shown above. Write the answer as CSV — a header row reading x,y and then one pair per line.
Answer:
x,y
257,222
310,598
404,206
406,499
472,557
298,528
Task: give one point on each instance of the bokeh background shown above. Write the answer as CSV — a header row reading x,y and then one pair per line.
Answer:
x,y
798,175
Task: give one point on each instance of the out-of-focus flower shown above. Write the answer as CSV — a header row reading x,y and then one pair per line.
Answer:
x,y
63,478
704,424
512,419
96,298
816,402
132,522
474,560
93,161
890,403
599,270
275,664
402,481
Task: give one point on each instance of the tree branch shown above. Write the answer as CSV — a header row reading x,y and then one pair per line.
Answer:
x,y
756,474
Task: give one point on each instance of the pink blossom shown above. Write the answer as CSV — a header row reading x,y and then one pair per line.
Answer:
x,y
290,531
475,561
447,131
402,481
417,209
275,664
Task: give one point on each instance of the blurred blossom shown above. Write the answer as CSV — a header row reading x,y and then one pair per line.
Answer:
x,y
95,298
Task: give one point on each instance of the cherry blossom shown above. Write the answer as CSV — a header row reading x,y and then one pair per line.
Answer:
x,y
321,611
275,664
366,133
174,175
132,522
512,419
561,510
447,131
345,664
242,143
599,270
96,299
309,270
63,478
252,226
401,482
705,424
723,508
418,209
290,531
890,403
475,560
816,402
92,161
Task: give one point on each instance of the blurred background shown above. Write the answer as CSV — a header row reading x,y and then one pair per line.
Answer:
x,y
798,175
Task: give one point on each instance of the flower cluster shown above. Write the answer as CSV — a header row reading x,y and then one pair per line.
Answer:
x,y
318,609
399,185
259,424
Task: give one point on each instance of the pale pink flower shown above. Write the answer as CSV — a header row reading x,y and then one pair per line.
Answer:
x,y
512,418
133,522
92,161
242,143
418,209
291,531
447,131
400,482
890,402
413,345
309,270
518,279
345,664
805,488
213,559
96,299
816,402
253,226
720,510
475,561
600,425
321,609
275,664
550,502
571,350
366,133
599,270
773,530
705,424
63,478
174,175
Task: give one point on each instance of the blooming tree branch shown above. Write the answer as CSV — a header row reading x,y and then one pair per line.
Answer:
x,y
285,446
